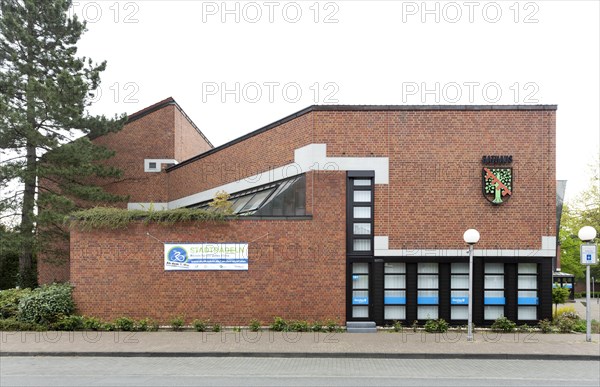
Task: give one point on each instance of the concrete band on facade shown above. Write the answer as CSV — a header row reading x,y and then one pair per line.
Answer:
x,y
376,235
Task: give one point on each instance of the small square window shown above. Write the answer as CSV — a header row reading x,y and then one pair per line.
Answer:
x,y
152,165
362,182
362,245
362,228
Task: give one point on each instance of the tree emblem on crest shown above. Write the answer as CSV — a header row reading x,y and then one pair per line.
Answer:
x,y
497,184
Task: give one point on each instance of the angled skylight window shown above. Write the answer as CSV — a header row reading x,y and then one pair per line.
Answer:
x,y
281,198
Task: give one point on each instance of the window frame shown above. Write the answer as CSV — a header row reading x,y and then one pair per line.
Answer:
x,y
353,176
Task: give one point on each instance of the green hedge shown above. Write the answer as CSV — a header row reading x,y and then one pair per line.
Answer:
x,y
9,301
592,294
116,218
46,304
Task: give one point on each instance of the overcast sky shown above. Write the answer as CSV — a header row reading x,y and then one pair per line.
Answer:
x,y
236,66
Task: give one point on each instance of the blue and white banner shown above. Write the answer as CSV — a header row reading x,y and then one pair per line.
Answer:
x,y
206,256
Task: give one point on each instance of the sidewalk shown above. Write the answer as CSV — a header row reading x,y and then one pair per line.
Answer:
x,y
409,344
580,307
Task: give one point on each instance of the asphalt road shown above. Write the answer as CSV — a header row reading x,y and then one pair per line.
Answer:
x,y
161,371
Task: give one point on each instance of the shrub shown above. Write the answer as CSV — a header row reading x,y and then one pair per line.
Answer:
x,y
254,325
117,218
107,326
503,324
580,326
124,324
332,326
279,325
148,325
12,324
200,325
436,326
565,324
216,327
415,325
9,301
566,310
68,323
237,329
177,323
298,326
545,326
525,328
92,323
46,304
397,326
592,294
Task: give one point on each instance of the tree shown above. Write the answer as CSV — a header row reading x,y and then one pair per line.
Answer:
x,y
45,130
559,296
583,211
221,203
9,258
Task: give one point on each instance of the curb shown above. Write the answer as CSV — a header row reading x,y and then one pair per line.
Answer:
x,y
352,355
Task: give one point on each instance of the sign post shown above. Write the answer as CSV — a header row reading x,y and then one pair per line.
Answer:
x,y
588,257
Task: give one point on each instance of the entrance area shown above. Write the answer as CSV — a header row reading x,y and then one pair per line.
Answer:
x,y
406,289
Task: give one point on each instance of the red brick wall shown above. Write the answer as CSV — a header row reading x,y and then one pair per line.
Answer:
x,y
259,153
162,134
150,137
296,267
435,191
188,142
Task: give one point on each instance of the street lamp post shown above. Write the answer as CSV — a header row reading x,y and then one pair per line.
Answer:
x,y
471,236
588,257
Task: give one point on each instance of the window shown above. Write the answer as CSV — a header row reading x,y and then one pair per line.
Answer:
x,y
427,291
527,298
281,198
362,228
362,245
493,293
155,165
394,298
459,291
360,290
360,214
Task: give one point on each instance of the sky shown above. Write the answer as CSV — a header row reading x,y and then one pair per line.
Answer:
x,y
235,66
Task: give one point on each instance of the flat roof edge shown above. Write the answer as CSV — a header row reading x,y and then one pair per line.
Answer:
x,y
429,107
364,108
159,105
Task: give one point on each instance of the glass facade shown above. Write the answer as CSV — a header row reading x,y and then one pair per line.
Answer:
x,y
527,296
394,298
459,291
282,198
406,288
427,291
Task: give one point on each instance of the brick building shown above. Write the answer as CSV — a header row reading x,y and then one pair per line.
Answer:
x,y
354,213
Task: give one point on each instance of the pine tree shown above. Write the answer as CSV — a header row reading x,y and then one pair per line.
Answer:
x,y
45,130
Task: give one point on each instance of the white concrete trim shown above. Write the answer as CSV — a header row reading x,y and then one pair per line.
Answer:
x,y
381,249
159,163
463,252
312,157
381,242
147,206
549,242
